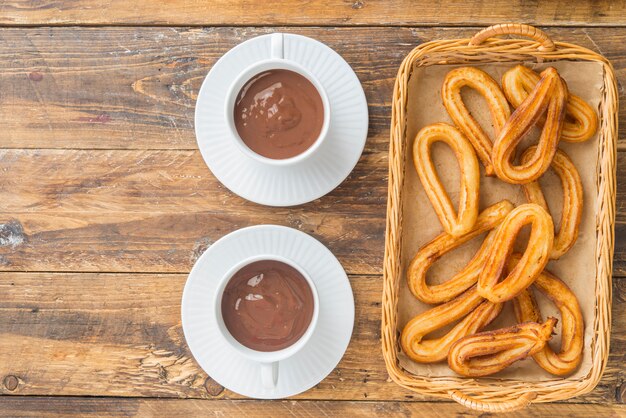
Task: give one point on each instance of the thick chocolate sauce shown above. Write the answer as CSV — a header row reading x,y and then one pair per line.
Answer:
x,y
279,114
267,305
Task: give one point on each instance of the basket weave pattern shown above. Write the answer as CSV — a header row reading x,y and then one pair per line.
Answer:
x,y
492,394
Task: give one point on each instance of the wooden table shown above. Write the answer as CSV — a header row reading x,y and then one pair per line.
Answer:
x,y
106,203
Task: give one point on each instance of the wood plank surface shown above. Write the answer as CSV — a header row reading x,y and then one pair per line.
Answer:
x,y
39,407
135,88
156,211
126,210
144,181
100,173
120,335
316,12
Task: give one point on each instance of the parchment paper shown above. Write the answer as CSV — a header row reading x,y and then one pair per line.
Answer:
x,y
577,268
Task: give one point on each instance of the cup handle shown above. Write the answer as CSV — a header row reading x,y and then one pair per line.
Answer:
x,y
277,45
269,374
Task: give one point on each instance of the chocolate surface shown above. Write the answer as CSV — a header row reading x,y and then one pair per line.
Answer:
x,y
279,114
267,305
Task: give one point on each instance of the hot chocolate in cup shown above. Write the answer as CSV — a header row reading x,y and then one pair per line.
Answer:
x,y
277,112
267,309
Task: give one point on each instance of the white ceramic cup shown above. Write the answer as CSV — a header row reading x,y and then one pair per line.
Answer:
x,y
268,360
275,62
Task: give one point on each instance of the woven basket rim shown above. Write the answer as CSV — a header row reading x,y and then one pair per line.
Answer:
x,y
492,393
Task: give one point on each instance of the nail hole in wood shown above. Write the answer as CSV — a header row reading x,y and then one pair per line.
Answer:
x,y
212,387
11,382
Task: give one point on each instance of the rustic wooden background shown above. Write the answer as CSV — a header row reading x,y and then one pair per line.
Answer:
x,y
105,202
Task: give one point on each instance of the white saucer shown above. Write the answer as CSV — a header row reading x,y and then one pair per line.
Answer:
x,y
315,360
300,183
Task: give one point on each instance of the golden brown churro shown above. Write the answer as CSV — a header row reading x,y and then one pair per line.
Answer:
x,y
435,249
572,325
475,311
571,216
498,107
454,223
473,297
489,352
532,262
581,121
549,95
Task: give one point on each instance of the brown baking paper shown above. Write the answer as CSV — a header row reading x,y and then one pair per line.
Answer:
x,y
577,268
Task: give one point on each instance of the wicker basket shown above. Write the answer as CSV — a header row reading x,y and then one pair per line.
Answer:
x,y
492,394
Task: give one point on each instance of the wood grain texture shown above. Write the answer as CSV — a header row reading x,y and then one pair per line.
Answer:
x,y
157,242
41,407
156,211
145,181
317,12
120,335
619,260
104,176
135,88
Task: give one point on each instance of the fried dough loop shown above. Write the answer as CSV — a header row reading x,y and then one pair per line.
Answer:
x,y
489,352
468,301
572,186
549,96
475,311
453,102
454,223
428,254
532,262
581,120
569,357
